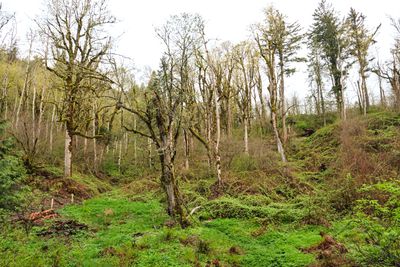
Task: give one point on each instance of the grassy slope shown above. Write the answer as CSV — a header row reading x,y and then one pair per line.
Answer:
x,y
126,228
113,222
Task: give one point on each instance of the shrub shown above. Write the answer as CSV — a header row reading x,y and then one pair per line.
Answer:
x,y
12,173
242,162
226,207
255,200
378,215
203,247
343,198
305,122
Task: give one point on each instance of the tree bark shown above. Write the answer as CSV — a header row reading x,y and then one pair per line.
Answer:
x,y
149,151
282,100
187,148
218,138
119,156
246,136
51,129
322,100
262,104
68,154
228,117
281,150
381,90
168,181
94,146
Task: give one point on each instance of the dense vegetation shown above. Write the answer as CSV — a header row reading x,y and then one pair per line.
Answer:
x,y
209,163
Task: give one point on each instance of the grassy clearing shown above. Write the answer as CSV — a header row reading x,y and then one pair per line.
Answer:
x,y
126,233
344,185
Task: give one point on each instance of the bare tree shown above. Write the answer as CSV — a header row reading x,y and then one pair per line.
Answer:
x,y
315,74
246,79
211,74
267,37
360,41
75,29
164,100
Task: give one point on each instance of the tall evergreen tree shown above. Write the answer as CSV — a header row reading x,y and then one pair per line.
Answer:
x,y
327,32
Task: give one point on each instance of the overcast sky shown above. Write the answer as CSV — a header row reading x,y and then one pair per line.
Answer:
x,y
225,20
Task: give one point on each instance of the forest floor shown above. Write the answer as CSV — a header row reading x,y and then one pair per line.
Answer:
x,y
117,228
308,213
122,232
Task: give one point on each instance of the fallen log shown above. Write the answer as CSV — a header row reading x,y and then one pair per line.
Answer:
x,y
37,217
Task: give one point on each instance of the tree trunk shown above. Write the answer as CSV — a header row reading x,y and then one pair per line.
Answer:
x,y
343,105
41,112
51,129
119,156
283,102
281,150
209,141
246,136
94,148
149,151
68,154
26,83
360,97
187,148
229,118
262,104
381,90
366,96
33,114
174,202
218,138
4,107
85,144
167,180
322,100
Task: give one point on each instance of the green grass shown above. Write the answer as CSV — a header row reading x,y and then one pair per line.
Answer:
x,y
110,241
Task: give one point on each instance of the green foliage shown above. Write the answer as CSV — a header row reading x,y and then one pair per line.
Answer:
x,y
226,207
255,200
304,122
12,173
318,152
326,35
325,136
373,233
242,163
343,197
125,233
382,120
264,246
203,247
381,201
94,184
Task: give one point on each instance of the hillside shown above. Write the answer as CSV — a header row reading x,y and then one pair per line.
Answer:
x,y
272,143
335,204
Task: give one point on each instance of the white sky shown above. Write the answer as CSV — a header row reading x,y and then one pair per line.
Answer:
x,y
225,20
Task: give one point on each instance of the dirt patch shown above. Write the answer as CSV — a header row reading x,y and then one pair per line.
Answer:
x,y
109,251
213,263
191,240
235,250
39,217
63,228
66,191
330,253
216,190
60,191
141,186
